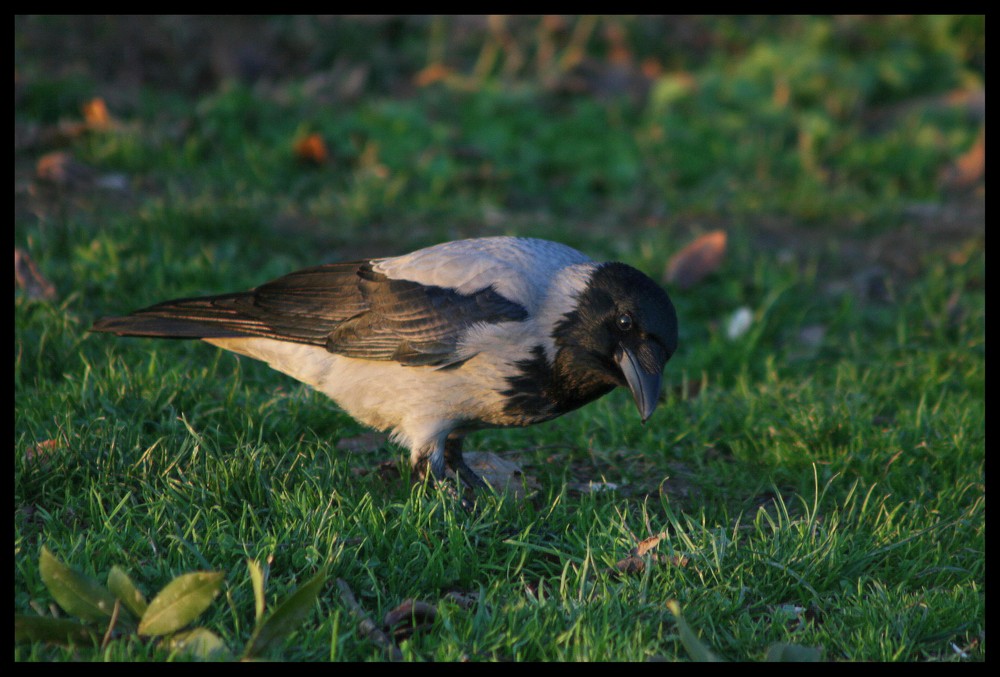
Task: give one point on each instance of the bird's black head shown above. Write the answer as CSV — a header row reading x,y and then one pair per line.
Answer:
x,y
621,333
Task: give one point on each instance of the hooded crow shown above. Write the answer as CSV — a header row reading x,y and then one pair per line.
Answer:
x,y
461,336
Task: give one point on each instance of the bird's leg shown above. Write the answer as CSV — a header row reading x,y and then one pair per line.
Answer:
x,y
430,456
453,458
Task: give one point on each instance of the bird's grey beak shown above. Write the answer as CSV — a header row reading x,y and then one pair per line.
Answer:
x,y
645,385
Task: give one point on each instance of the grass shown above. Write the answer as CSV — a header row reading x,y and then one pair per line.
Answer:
x,y
818,481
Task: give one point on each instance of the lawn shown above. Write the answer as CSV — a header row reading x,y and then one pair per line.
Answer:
x,y
812,485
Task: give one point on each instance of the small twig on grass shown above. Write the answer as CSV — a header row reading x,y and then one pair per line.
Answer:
x,y
111,625
365,623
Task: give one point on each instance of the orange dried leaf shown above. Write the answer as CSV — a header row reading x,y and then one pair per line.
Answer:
x,y
60,168
435,72
636,564
312,149
647,544
95,114
698,260
969,168
651,68
41,451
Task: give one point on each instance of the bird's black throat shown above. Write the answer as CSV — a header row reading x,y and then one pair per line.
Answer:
x,y
541,391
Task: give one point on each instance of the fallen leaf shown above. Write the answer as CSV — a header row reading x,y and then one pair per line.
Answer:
x,y
408,618
969,168
96,116
635,562
41,451
631,565
435,72
698,260
647,544
60,168
312,149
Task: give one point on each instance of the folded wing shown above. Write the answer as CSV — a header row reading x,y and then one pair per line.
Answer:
x,y
348,308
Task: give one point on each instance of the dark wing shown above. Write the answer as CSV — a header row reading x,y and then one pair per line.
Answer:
x,y
302,307
413,323
348,308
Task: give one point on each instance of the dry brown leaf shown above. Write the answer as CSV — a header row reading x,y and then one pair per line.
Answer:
x,y
96,115
41,451
408,618
651,68
312,149
636,560
634,564
435,72
60,168
647,544
696,261
631,565
969,168
28,277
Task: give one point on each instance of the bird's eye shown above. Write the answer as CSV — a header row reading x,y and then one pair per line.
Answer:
x,y
624,322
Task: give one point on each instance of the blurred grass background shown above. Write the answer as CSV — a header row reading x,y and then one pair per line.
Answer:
x,y
844,158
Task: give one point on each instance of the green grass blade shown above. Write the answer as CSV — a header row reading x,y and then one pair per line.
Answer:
x,y
257,580
689,639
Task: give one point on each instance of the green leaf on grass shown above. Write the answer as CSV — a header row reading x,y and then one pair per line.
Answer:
x,y
257,580
695,647
75,592
122,587
200,644
52,630
180,602
287,616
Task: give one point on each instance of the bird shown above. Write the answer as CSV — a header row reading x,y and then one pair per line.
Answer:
x,y
472,334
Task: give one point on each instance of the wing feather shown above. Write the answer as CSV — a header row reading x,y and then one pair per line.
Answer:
x,y
348,308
